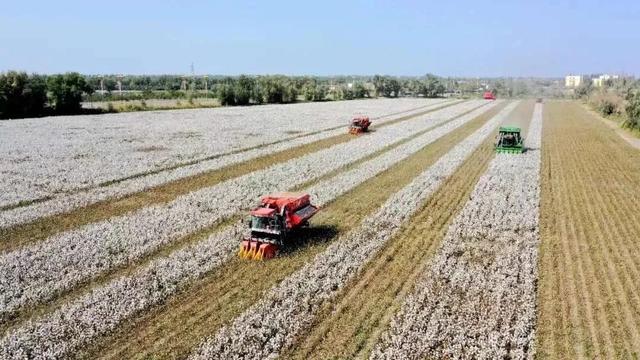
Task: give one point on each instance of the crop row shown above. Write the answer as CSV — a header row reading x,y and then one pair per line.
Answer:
x,y
476,298
38,272
123,297
288,308
43,157
62,202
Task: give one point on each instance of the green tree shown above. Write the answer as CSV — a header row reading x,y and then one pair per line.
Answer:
x,y
225,94
21,95
313,92
290,94
277,90
392,87
65,92
359,91
432,86
257,95
500,88
345,93
378,84
584,89
633,112
243,90
272,91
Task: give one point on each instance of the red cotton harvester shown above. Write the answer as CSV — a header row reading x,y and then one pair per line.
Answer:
x,y
359,125
272,221
488,95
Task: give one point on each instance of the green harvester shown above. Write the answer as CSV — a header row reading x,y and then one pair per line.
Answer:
x,y
509,141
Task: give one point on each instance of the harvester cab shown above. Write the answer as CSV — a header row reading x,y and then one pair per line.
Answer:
x,y
509,140
359,125
488,95
271,222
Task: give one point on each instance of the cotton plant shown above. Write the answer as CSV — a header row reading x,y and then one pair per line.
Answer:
x,y
47,156
28,275
26,185
103,308
477,298
288,308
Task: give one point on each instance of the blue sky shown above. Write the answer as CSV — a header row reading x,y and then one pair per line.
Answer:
x,y
448,38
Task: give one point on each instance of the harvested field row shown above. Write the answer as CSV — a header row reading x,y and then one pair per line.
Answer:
x,y
476,299
193,170
322,191
222,295
30,277
46,156
350,326
65,212
266,327
124,297
589,288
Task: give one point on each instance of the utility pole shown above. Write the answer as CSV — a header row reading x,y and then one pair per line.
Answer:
x,y
119,81
183,84
206,88
193,78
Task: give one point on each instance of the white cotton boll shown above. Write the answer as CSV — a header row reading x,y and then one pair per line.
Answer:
x,y
487,308
86,252
61,165
309,287
107,306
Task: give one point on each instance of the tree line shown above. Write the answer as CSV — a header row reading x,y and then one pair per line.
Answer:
x,y
23,95
615,98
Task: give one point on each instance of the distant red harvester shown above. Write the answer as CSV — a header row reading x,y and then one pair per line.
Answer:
x,y
359,124
488,95
272,221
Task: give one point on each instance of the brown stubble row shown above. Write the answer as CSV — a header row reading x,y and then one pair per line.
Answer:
x,y
20,235
589,286
175,328
350,326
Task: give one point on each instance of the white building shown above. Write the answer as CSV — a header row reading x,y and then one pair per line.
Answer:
x,y
599,81
573,81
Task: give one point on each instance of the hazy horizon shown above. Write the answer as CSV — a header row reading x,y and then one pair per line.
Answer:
x,y
548,39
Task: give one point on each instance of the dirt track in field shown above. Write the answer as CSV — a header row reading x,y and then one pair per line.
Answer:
x,y
175,328
589,285
350,326
40,229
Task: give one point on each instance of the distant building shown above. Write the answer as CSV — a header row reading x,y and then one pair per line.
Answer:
x,y
599,81
573,81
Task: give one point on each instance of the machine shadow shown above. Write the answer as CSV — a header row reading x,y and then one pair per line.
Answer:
x,y
309,236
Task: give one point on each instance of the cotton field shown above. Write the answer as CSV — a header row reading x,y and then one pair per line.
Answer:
x,y
120,234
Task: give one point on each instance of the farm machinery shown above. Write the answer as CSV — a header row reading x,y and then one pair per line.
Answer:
x,y
272,222
509,140
359,125
488,95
